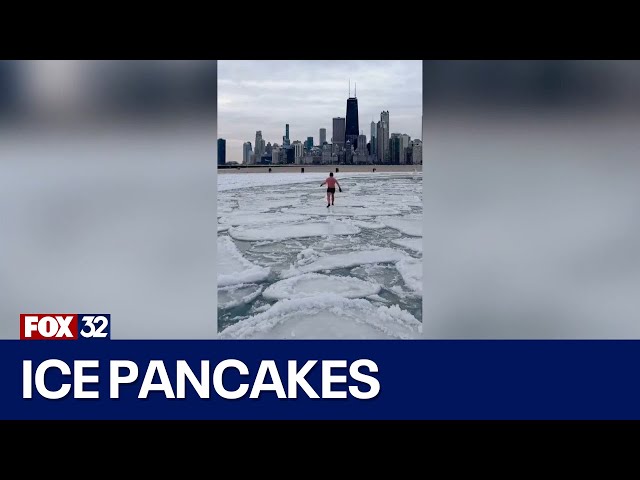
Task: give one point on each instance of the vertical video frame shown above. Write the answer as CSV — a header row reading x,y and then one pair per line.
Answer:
x,y
319,199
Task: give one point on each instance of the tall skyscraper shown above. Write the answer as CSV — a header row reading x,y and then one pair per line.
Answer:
x,y
352,128
309,143
362,144
373,137
406,142
259,145
338,132
275,155
384,117
222,151
323,136
285,140
382,139
246,153
298,150
395,148
416,153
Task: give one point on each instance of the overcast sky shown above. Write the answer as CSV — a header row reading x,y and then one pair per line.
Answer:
x,y
308,94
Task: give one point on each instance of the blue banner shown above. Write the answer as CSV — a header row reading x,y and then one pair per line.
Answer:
x,y
315,379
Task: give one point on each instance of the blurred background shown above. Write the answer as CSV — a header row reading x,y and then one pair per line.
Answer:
x,y
532,199
108,194
531,174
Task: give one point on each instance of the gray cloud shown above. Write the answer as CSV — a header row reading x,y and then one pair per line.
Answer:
x,y
307,94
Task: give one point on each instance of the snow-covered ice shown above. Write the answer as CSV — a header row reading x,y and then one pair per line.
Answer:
x,y
411,271
408,226
327,316
311,284
346,260
414,244
340,210
294,268
283,232
235,295
259,219
364,224
233,268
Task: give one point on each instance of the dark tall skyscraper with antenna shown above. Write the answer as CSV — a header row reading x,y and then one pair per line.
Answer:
x,y
352,129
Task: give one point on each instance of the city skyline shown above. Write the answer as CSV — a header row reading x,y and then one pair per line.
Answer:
x,y
307,95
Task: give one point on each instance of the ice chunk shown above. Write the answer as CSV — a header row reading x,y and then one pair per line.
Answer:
x,y
339,210
261,308
414,244
234,295
259,219
411,271
347,260
233,268
282,232
369,225
222,228
327,316
408,226
314,283
378,298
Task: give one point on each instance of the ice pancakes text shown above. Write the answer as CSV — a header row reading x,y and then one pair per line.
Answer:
x,y
359,383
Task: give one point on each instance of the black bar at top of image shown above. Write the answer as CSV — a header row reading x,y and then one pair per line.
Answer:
x,y
301,33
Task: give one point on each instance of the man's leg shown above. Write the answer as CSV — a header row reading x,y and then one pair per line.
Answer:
x,y
328,199
332,197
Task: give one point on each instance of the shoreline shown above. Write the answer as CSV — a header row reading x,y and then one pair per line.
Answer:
x,y
321,168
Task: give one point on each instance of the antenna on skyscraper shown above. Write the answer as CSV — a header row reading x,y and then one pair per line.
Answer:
x,y
355,90
349,88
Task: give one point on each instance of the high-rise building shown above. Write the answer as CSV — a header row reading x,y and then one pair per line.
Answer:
x,y
246,152
275,155
285,139
406,142
395,148
352,129
298,150
309,143
326,154
290,154
373,138
382,139
323,136
384,142
268,148
384,117
416,152
362,144
338,132
222,151
259,145
348,152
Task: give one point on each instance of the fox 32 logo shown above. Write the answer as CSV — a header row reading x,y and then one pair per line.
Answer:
x,y
65,326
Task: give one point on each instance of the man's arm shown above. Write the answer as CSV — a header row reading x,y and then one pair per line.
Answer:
x,y
323,183
339,187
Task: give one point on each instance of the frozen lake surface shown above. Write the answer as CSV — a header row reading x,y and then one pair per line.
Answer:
x,y
291,268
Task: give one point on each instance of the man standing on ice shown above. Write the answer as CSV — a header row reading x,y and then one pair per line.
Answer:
x,y
331,183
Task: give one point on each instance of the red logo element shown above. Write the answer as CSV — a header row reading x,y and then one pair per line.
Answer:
x,y
48,326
